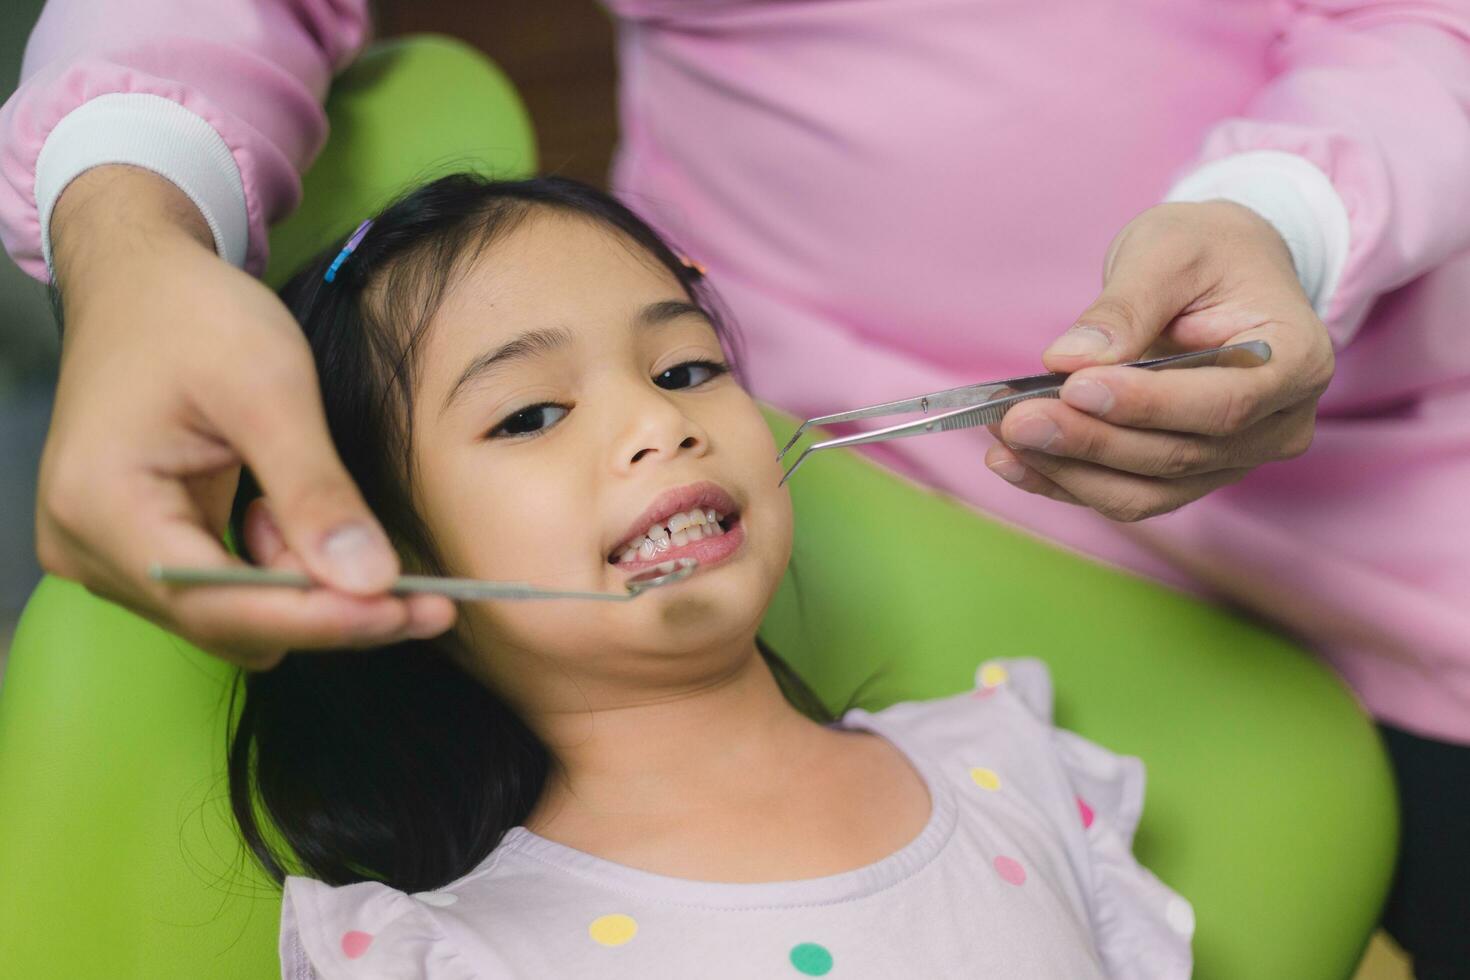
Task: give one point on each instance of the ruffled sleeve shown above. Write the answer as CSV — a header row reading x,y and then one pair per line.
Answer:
x,y
360,931
1142,928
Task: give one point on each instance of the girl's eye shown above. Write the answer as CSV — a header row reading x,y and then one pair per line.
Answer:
x,y
529,421
690,373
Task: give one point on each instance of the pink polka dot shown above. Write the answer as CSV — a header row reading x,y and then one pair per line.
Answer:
x,y
355,943
1010,870
983,692
1086,812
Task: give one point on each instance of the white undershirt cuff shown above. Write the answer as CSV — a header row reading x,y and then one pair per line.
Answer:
x,y
1296,198
156,134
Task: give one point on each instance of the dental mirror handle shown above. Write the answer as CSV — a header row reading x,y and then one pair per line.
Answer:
x,y
459,589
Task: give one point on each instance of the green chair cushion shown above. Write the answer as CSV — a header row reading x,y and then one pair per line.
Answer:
x,y
1269,804
407,111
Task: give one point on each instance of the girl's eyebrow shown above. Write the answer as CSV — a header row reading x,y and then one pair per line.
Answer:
x,y
528,345
665,310
534,343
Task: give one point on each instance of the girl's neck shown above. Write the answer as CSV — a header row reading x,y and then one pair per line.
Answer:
x,y
732,741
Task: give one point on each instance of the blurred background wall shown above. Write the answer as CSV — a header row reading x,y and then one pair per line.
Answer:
x,y
558,52
28,351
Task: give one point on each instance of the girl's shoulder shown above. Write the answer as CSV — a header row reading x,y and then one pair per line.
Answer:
x,y
1015,776
1007,712
328,931
369,929
999,738
1018,683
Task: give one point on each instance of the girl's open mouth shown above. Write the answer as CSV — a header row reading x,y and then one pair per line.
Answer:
x,y
702,534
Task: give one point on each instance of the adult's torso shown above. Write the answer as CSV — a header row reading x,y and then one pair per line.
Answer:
x,y
941,177
896,196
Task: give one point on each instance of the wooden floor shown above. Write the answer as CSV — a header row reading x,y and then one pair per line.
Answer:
x,y
560,55
1384,961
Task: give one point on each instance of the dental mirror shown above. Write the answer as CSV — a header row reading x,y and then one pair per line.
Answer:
x,y
459,589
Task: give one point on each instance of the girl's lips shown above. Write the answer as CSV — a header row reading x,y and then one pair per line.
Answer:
x,y
706,551
705,495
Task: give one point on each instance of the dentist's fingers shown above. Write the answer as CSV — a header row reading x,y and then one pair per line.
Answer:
x,y
1121,497
1153,271
1007,465
427,615
1212,401
264,542
1065,433
280,619
1169,261
275,420
1134,443
161,341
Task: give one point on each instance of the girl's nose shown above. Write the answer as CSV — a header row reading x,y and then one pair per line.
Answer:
x,y
655,428
689,442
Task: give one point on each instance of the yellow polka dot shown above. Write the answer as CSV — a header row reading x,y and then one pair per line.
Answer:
x,y
985,778
993,675
612,930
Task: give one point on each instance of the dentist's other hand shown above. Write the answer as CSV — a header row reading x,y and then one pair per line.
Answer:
x,y
1133,444
176,368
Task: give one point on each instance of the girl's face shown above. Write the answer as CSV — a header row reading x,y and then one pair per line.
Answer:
x,y
570,400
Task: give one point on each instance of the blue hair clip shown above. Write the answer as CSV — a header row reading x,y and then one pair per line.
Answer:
x,y
347,249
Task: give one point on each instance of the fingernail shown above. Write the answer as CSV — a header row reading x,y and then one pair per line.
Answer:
x,y
1036,432
424,630
359,558
1088,395
1080,341
1008,470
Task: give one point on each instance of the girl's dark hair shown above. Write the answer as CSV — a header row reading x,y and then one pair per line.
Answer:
x,y
393,764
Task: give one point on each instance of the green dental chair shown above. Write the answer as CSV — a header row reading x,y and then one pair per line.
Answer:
x,y
1270,804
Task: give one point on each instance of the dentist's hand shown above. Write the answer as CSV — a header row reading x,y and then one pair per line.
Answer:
x,y
176,368
1133,444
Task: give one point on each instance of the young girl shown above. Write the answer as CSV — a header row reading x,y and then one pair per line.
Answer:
x,y
528,384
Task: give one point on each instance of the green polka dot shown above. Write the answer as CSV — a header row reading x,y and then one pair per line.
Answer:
x,y
811,959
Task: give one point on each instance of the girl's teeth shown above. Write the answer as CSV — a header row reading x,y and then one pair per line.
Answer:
x,y
693,525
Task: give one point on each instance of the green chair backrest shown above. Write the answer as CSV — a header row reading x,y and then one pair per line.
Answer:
x,y
1269,805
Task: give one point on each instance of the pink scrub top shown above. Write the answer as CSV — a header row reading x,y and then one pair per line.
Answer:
x,y
896,196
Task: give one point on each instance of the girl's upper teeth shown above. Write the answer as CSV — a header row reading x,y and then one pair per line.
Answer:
x,y
678,530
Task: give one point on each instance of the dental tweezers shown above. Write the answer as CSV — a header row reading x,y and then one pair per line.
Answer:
x,y
988,402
